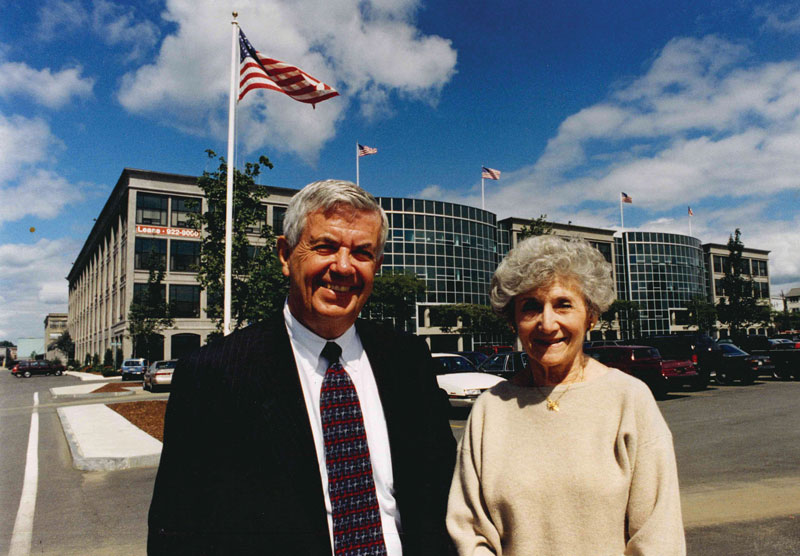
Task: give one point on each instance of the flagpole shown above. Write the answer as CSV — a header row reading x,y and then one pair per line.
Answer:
x,y
358,177
690,224
226,319
621,214
483,202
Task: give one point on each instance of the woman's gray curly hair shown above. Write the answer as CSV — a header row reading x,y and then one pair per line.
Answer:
x,y
537,261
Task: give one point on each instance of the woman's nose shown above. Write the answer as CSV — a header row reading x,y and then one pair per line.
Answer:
x,y
547,321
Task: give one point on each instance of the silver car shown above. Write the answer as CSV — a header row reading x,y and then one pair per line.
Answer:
x,y
158,376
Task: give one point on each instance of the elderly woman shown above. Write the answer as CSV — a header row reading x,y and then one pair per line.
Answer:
x,y
569,457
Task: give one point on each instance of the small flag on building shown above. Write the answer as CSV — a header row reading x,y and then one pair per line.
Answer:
x,y
256,71
690,211
626,198
364,150
490,174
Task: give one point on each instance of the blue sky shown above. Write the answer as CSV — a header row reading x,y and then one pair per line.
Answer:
x,y
677,104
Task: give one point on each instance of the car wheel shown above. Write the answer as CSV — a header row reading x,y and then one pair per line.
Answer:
x,y
748,378
700,382
57,373
722,378
659,391
781,372
26,374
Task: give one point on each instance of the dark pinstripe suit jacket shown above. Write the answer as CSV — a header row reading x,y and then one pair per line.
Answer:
x,y
239,473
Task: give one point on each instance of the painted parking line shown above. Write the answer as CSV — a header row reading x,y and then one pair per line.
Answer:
x,y
23,525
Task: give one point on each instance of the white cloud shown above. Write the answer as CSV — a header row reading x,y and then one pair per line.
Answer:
x,y
703,125
26,302
28,145
113,23
51,89
369,51
784,18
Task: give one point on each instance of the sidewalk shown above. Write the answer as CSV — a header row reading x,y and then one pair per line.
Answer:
x,y
99,438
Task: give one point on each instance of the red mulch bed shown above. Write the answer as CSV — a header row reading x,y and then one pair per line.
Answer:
x,y
148,416
116,387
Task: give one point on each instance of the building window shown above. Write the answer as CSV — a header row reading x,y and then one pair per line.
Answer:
x,y
141,290
261,219
182,208
184,301
150,253
184,256
151,209
278,214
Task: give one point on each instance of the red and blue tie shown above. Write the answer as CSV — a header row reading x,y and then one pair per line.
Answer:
x,y
357,527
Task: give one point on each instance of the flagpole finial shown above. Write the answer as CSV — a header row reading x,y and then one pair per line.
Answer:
x,y
235,14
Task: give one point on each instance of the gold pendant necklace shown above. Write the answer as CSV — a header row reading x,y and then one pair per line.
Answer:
x,y
552,405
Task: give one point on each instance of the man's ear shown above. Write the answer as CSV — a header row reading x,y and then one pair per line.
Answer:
x,y
283,254
378,265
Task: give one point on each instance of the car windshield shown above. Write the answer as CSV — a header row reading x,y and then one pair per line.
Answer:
x,y
132,363
455,364
166,365
496,362
646,353
731,349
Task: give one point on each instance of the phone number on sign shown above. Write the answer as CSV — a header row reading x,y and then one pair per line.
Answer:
x,y
159,231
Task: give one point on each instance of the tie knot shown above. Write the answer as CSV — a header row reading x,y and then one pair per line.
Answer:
x,y
332,352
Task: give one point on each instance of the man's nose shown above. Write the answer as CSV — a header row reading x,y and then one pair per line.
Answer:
x,y
342,263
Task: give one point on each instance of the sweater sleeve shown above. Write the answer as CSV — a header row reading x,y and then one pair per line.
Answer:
x,y
468,521
655,525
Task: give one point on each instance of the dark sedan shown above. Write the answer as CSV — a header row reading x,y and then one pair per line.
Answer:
x,y
736,365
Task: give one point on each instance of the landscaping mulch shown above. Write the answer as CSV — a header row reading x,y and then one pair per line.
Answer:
x,y
148,416
116,387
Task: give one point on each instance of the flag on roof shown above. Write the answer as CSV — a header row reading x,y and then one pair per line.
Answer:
x,y
690,211
626,198
256,71
364,150
490,173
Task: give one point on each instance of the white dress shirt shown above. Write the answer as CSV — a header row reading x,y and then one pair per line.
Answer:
x,y
311,367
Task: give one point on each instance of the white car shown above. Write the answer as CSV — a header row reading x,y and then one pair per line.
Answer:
x,y
158,375
461,380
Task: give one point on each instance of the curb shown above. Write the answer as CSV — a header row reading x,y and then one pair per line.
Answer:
x,y
89,429
90,395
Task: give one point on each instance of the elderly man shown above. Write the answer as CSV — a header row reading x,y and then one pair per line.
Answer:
x,y
312,433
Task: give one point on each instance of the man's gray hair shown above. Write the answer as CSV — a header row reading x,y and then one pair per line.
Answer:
x,y
325,195
538,261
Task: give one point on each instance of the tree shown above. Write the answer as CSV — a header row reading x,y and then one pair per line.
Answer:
x,y
394,293
149,314
627,313
258,287
738,308
475,320
702,314
65,345
536,227
108,358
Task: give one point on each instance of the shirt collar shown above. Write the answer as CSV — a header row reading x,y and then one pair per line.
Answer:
x,y
312,344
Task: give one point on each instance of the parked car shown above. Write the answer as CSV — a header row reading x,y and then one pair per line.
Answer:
x,y
647,364
736,365
783,354
461,380
159,375
30,368
700,349
491,350
133,369
475,357
505,364
599,343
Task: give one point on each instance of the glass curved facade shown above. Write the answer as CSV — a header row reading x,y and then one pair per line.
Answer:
x,y
452,247
661,272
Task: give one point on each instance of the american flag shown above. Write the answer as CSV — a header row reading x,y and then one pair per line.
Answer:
x,y
256,71
690,211
626,198
490,173
364,150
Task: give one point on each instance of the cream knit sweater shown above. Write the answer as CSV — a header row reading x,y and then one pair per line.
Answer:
x,y
596,478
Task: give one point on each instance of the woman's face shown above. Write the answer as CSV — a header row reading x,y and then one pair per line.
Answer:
x,y
551,323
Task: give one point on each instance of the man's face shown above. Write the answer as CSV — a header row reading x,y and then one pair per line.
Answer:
x,y
332,267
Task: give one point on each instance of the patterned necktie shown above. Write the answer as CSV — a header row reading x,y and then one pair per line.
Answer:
x,y
356,516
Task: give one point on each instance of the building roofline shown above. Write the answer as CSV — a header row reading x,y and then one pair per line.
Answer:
x,y
558,225
746,248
